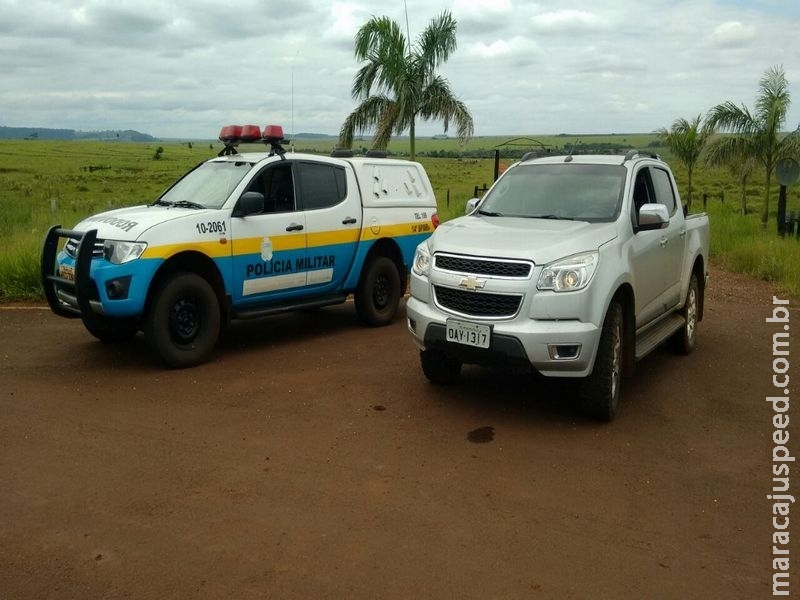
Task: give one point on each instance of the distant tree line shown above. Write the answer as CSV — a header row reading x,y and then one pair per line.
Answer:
x,y
45,133
519,152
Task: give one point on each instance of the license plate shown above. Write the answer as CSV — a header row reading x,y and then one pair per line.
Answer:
x,y
66,272
469,334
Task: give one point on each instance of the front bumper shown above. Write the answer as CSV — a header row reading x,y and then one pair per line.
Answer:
x,y
519,341
95,285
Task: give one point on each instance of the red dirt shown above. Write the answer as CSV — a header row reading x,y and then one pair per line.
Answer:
x,y
311,459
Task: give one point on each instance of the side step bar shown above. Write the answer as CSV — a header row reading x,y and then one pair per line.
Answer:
x,y
255,313
652,337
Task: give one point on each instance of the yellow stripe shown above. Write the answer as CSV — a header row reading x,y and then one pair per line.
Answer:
x,y
215,249
329,238
395,231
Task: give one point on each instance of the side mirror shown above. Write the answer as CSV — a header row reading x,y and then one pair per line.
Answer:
x,y
250,203
472,204
653,216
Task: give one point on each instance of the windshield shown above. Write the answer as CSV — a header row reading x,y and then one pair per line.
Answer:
x,y
207,186
558,191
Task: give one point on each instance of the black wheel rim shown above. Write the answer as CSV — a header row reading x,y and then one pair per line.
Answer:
x,y
691,315
616,365
184,320
380,292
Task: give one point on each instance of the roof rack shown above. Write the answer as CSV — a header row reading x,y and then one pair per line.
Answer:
x,y
342,152
634,153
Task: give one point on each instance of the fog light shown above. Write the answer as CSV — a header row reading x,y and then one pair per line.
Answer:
x,y
564,351
117,289
412,325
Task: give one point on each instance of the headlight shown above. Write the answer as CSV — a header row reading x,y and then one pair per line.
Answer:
x,y
569,274
422,260
122,252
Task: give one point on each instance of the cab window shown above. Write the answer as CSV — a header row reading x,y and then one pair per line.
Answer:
x,y
277,184
663,189
321,185
643,193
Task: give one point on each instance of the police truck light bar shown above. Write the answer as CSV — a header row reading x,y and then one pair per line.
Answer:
x,y
232,135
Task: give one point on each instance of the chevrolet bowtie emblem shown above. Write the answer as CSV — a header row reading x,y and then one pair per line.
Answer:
x,y
472,283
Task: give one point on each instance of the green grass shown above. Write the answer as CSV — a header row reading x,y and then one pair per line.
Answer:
x,y
740,244
43,183
19,269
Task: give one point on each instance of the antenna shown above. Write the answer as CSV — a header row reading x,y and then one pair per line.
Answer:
x,y
292,133
408,29
568,157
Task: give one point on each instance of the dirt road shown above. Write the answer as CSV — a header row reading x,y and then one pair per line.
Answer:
x,y
311,459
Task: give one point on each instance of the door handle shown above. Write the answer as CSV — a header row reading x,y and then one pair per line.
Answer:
x,y
663,242
294,227
349,221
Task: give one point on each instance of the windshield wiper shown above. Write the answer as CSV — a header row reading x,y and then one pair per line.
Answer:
x,y
489,213
161,203
187,204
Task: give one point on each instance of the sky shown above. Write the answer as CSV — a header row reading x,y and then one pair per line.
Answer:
x,y
183,69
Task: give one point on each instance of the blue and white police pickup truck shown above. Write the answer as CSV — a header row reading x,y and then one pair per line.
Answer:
x,y
243,235
576,266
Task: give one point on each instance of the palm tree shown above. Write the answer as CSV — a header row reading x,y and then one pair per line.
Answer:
x,y
686,140
743,169
405,82
757,134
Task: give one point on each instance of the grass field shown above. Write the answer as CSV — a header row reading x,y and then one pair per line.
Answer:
x,y
44,183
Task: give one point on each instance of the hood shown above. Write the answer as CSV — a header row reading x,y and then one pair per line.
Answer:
x,y
539,240
129,223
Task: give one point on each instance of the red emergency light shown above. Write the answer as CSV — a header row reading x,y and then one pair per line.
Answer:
x,y
230,133
250,133
273,133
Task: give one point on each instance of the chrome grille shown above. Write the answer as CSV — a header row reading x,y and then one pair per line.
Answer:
x,y
483,266
71,248
477,304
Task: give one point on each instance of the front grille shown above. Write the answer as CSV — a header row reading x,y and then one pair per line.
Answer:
x,y
71,248
477,304
483,266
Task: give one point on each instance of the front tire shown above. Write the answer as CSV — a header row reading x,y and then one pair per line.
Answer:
x,y
183,323
600,391
377,297
439,368
685,339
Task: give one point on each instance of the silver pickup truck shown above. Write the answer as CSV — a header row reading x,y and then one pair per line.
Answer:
x,y
575,265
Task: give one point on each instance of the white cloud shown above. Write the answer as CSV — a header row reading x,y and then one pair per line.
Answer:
x,y
182,69
516,46
733,34
567,21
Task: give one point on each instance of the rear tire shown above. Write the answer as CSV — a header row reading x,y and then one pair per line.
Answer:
x,y
183,323
685,339
111,329
600,391
440,368
377,297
